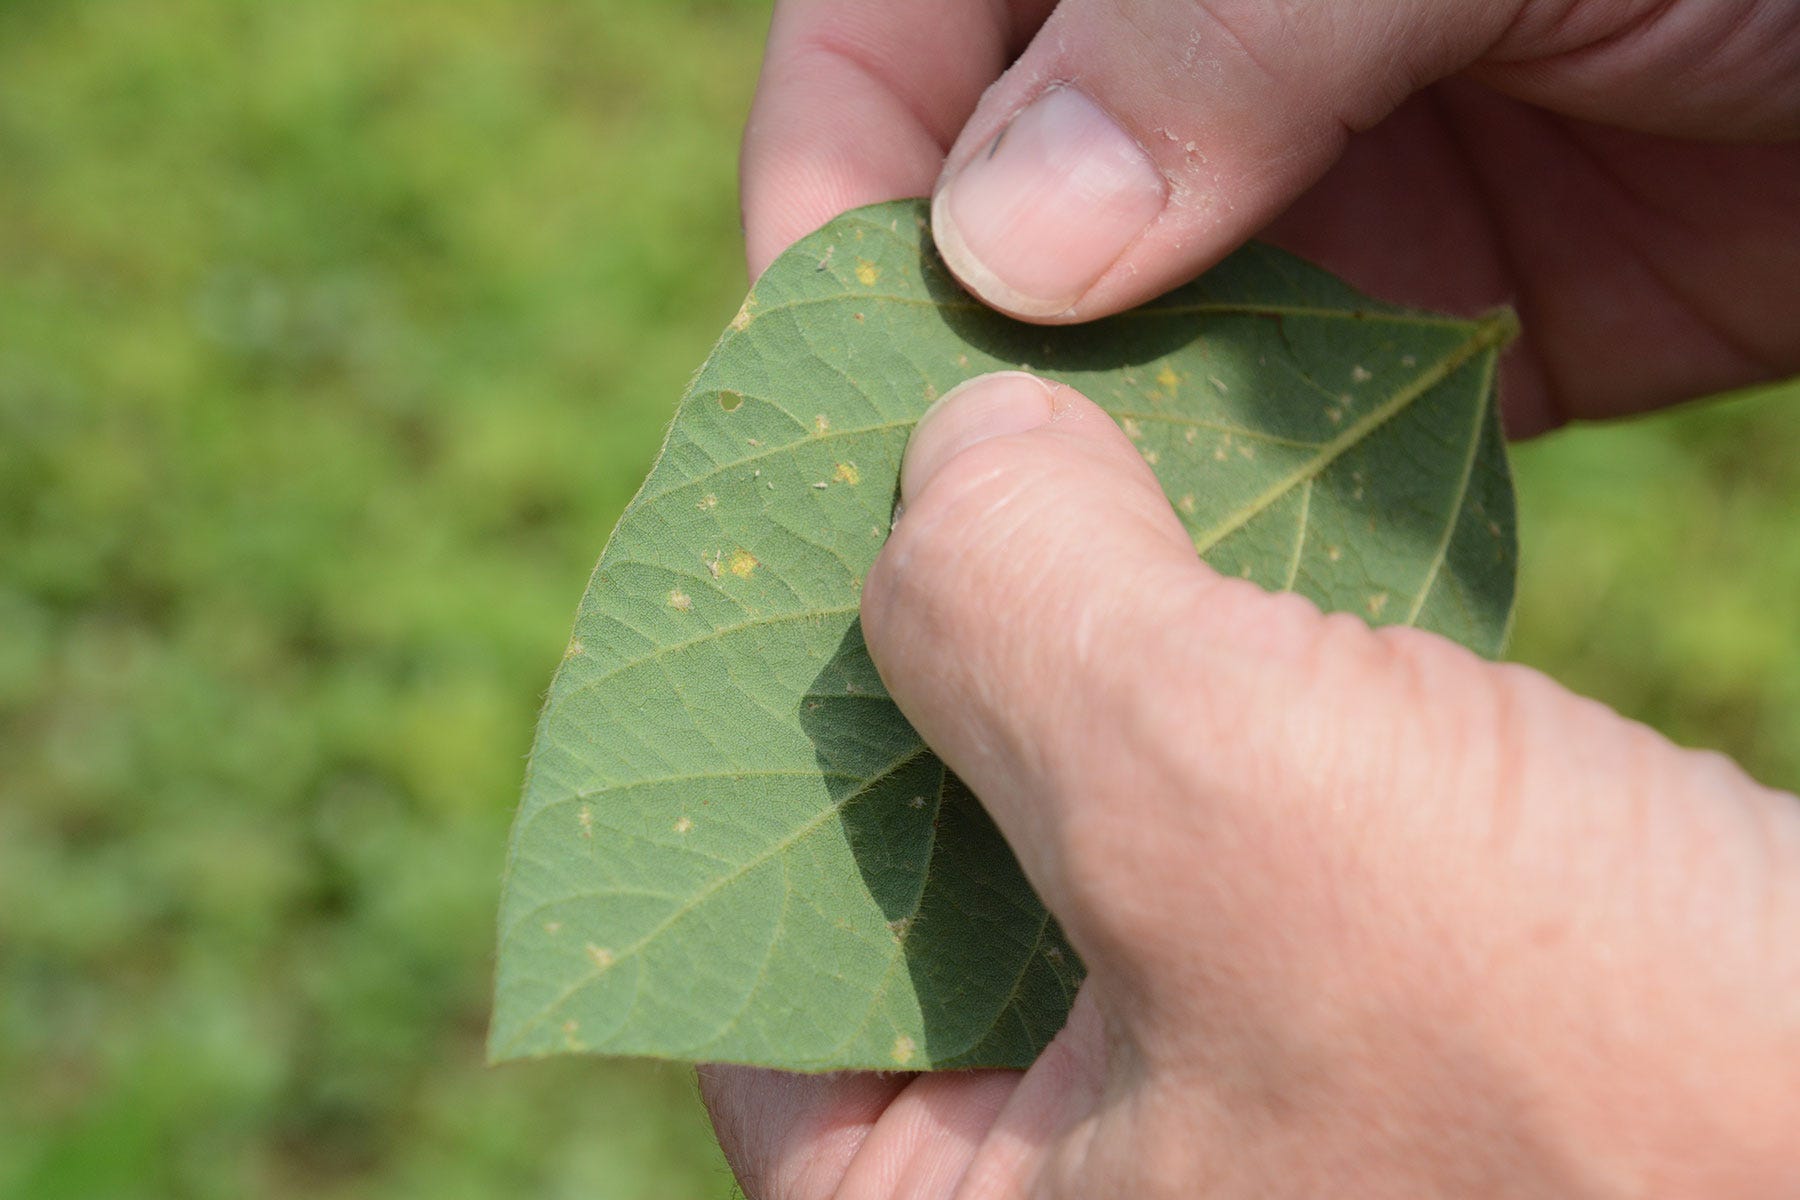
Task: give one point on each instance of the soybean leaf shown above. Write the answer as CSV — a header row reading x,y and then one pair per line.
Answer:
x,y
731,846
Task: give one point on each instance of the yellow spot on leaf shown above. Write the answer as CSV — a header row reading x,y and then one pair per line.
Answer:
x,y
680,601
1218,384
867,272
600,956
1377,602
1167,379
741,322
1152,457
742,563
708,501
575,649
900,928
1186,504
552,927
683,825
1333,553
903,1049
1132,429
847,473
821,423
1361,374
585,819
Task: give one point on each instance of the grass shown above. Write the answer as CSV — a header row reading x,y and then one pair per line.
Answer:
x,y
332,339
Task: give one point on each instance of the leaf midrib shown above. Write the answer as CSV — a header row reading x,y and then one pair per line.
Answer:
x,y
1488,334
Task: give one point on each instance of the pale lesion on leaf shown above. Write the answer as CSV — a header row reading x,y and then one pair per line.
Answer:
x,y
745,314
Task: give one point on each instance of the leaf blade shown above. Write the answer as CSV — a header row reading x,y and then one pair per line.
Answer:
x,y
725,815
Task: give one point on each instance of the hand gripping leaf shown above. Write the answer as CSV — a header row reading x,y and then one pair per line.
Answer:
x,y
732,847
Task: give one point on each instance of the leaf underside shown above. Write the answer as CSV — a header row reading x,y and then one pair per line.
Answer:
x,y
732,847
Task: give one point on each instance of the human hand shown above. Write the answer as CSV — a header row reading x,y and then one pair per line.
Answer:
x,y
1364,914
1565,156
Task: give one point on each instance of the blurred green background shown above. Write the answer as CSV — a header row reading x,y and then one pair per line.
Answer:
x,y
333,337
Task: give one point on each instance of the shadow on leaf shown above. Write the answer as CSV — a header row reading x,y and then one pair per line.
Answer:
x,y
977,947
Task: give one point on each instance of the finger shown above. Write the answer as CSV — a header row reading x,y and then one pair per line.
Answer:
x,y
1136,142
929,1136
853,1134
1175,756
793,1137
858,101
1057,549
1065,1087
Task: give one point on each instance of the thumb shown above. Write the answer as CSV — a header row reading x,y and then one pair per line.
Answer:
x,y
1192,770
1135,142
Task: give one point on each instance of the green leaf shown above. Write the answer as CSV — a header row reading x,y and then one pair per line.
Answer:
x,y
732,847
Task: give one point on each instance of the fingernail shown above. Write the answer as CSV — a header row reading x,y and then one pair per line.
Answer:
x,y
1044,209
988,406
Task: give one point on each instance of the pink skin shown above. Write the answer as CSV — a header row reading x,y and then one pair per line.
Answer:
x,y
1365,916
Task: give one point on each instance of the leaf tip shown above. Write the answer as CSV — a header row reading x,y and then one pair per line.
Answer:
x,y
1499,327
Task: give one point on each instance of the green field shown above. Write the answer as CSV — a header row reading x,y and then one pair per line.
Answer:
x,y
333,337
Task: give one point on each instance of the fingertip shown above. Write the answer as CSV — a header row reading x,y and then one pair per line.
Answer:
x,y
1030,222
988,406
977,277
857,102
